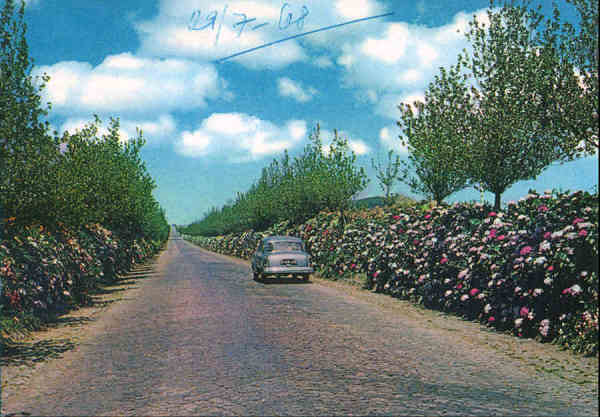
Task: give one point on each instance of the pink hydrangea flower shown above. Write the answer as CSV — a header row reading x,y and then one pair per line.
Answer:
x,y
492,214
396,217
583,233
474,292
491,319
427,216
524,312
547,235
542,209
501,237
577,220
526,250
443,260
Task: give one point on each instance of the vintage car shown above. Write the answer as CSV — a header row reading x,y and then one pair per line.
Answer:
x,y
281,255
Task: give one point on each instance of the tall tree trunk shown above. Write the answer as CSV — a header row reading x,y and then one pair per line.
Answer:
x,y
497,197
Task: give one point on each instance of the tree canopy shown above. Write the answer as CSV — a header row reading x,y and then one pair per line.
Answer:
x,y
291,190
434,133
75,179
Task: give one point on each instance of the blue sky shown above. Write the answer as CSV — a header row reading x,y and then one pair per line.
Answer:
x,y
211,126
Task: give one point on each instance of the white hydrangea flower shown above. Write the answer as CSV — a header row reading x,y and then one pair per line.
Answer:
x,y
487,308
576,289
548,281
518,322
464,297
448,293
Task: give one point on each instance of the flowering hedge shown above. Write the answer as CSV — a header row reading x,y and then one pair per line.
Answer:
x,y
45,272
531,269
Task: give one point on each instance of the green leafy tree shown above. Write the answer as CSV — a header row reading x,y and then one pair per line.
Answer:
x,y
27,151
95,180
291,190
387,174
102,179
434,133
343,179
576,113
514,81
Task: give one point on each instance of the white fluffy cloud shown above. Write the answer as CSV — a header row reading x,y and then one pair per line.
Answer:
x,y
295,90
387,104
358,146
402,58
323,62
127,84
210,30
240,137
389,139
154,131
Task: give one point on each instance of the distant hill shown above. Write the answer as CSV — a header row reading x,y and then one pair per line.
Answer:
x,y
379,201
369,202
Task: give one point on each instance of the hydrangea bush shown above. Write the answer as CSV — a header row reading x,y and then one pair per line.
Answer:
x,y
45,272
531,269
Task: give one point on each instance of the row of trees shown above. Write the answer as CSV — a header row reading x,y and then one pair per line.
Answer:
x,y
75,179
524,97
293,190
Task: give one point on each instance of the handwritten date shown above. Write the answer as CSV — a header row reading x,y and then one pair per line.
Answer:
x,y
288,16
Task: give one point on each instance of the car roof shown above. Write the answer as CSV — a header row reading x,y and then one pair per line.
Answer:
x,y
282,238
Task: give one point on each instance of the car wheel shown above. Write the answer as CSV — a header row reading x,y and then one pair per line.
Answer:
x,y
255,276
306,277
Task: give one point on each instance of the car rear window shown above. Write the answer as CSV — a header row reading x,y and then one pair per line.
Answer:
x,y
284,246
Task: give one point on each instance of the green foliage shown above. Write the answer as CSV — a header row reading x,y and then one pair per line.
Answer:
x,y
434,136
26,150
292,190
101,179
575,113
516,81
510,107
95,180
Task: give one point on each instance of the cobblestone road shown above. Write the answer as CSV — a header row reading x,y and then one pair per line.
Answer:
x,y
200,337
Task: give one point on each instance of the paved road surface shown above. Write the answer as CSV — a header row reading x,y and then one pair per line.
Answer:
x,y
201,337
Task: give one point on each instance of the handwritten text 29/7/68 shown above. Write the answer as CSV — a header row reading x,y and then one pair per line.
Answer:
x,y
289,15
